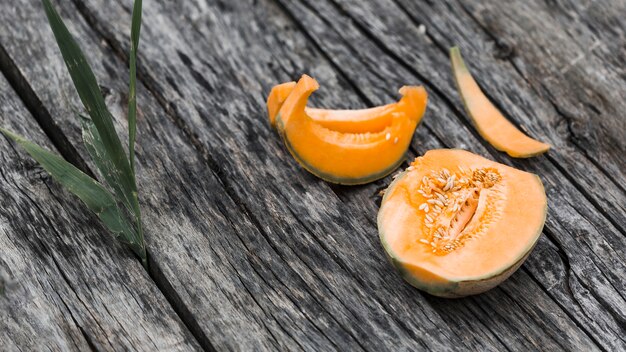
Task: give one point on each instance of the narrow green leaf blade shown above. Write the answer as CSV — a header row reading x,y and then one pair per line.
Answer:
x,y
132,100
95,148
91,97
90,191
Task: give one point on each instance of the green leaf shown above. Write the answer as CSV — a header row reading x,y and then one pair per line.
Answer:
x,y
132,100
95,148
91,97
91,192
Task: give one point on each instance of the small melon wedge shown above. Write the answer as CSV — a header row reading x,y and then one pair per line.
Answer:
x,y
345,146
456,224
489,121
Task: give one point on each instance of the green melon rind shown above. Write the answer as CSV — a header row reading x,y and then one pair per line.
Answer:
x,y
331,178
455,288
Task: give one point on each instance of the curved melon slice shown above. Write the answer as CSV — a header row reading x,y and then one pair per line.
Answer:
x,y
346,121
457,224
489,121
342,146
276,99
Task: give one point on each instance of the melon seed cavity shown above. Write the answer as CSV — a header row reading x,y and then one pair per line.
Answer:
x,y
458,206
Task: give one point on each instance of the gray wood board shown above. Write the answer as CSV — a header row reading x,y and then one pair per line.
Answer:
x,y
256,253
68,286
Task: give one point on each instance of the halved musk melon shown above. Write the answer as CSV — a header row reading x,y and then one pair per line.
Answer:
x,y
457,224
345,146
489,121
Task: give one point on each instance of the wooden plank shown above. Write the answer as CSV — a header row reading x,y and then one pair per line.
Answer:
x,y
619,267
575,65
212,261
214,26
590,247
307,257
376,25
71,287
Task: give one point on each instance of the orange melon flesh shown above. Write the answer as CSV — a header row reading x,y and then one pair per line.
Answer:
x,y
481,242
277,97
346,121
348,147
489,121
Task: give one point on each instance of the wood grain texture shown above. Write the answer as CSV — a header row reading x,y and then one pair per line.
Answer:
x,y
256,253
70,286
371,26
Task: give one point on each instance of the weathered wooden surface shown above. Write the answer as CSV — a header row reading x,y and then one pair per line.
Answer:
x,y
249,250
69,288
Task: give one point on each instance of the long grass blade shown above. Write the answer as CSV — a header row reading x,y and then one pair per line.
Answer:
x,y
97,198
132,103
91,97
95,148
132,100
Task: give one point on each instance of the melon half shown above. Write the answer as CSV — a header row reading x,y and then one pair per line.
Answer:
x,y
457,224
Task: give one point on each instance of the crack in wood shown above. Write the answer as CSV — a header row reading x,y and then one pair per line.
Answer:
x,y
172,297
31,101
372,37
558,110
180,123
222,174
37,109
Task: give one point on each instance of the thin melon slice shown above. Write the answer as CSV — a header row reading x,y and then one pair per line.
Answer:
x,y
489,121
342,146
457,224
